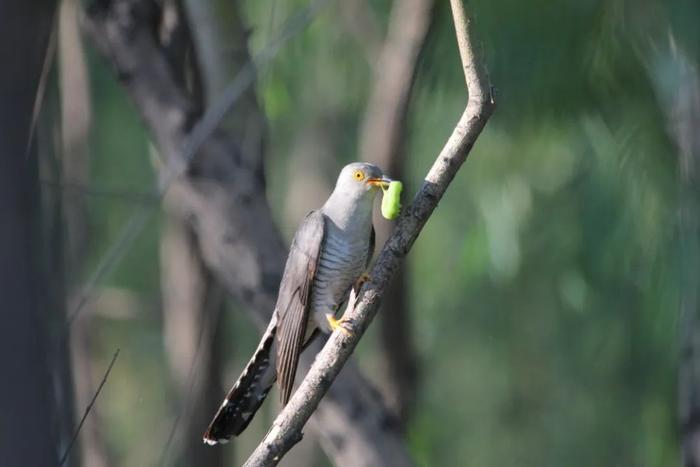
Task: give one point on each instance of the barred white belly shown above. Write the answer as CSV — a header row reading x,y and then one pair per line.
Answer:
x,y
340,264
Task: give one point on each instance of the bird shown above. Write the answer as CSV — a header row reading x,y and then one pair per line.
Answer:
x,y
329,254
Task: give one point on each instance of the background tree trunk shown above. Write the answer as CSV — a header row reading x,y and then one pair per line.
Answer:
x,y
192,301
192,305
28,421
383,141
75,120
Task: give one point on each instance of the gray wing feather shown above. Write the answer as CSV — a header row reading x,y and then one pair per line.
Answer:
x,y
294,297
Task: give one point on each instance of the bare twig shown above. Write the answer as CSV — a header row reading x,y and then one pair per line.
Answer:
x,y
80,189
43,82
89,407
286,430
126,236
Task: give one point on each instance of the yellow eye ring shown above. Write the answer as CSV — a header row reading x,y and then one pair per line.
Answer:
x,y
358,175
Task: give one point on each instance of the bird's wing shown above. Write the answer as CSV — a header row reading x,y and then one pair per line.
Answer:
x,y
294,296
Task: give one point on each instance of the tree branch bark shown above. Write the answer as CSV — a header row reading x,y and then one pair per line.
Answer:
x,y
286,430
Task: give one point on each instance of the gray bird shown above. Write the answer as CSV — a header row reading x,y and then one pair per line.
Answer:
x,y
329,253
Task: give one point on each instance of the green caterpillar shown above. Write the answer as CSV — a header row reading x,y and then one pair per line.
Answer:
x,y
391,202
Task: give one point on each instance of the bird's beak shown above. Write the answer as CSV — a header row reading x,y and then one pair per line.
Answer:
x,y
380,182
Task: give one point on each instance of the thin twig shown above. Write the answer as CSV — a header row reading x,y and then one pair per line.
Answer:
x,y
43,80
88,191
126,236
286,429
88,408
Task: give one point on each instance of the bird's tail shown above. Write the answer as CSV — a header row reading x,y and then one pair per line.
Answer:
x,y
247,394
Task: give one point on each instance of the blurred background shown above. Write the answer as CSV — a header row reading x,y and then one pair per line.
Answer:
x,y
544,317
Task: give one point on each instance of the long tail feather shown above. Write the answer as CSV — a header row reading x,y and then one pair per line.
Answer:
x,y
247,394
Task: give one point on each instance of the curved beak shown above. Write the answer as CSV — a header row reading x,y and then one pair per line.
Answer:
x,y
380,182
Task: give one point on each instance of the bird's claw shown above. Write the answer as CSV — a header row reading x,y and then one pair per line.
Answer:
x,y
343,324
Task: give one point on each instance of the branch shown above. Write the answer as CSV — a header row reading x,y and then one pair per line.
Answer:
x,y
286,430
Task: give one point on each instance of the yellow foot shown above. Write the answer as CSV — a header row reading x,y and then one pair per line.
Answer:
x,y
341,324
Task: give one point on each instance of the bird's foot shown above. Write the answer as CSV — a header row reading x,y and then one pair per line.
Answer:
x,y
342,324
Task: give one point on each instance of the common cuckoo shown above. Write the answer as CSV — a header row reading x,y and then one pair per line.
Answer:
x,y
329,253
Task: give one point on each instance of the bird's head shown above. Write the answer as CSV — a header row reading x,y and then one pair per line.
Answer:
x,y
350,204
361,179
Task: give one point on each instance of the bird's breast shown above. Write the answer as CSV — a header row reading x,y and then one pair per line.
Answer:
x,y
341,262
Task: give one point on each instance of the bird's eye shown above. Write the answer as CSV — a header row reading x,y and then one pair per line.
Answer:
x,y
358,175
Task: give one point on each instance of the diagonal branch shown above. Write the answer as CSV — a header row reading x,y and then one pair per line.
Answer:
x,y
286,430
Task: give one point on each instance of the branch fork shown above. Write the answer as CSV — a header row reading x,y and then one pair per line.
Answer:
x,y
286,429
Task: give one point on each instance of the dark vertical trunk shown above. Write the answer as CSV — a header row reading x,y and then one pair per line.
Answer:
x,y
51,252
28,413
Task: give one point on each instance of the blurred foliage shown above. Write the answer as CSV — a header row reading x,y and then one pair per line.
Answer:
x,y
543,289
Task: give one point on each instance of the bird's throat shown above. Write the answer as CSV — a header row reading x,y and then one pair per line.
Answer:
x,y
348,214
